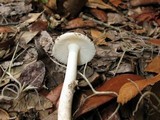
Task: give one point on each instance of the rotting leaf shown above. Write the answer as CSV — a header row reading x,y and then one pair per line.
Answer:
x,y
113,84
33,74
130,89
4,115
154,66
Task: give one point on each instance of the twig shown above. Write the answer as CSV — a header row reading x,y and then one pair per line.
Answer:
x,y
112,27
116,110
99,22
144,95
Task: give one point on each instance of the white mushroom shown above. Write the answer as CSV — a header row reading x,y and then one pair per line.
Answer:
x,y
72,49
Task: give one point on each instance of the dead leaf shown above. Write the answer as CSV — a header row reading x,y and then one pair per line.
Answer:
x,y
154,42
143,2
26,37
129,90
99,4
113,84
32,17
92,79
98,37
39,25
52,116
116,3
33,74
6,29
79,23
4,115
54,94
146,16
154,66
114,18
30,100
101,15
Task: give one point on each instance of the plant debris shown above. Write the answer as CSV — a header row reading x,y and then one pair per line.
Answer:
x,y
122,77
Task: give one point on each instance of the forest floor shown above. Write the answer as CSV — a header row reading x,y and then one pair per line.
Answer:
x,y
123,76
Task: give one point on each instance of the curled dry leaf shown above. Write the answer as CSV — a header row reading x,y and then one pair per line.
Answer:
x,y
143,2
4,115
101,15
154,66
113,84
130,89
33,74
79,23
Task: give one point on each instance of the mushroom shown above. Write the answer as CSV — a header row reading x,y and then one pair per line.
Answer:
x,y
72,49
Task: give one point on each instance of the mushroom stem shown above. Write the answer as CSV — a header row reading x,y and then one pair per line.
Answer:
x,y
65,102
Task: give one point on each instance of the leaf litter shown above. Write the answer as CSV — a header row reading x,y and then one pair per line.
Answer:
x,y
125,67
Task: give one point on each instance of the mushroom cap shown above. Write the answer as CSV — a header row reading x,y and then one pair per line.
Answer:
x,y
86,47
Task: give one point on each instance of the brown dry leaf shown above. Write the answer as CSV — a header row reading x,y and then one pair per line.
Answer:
x,y
146,16
154,66
116,3
6,29
99,4
129,90
33,74
143,2
100,14
4,115
113,84
39,25
154,42
54,94
79,23
98,37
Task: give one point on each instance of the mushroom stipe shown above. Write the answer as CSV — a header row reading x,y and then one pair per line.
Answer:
x,y
72,49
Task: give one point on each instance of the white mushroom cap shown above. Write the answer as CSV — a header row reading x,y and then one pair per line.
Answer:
x,y
86,47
